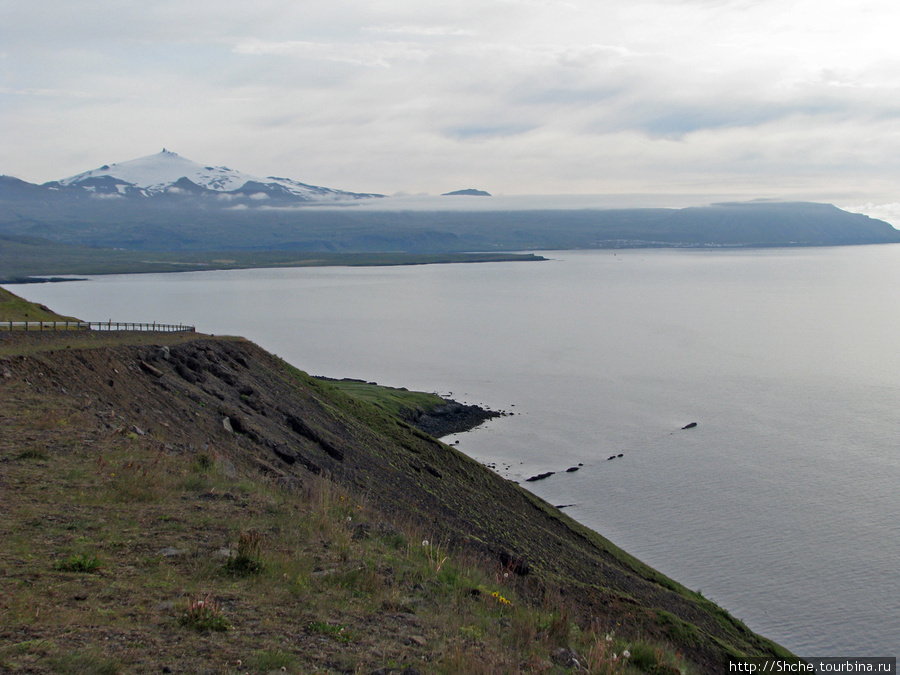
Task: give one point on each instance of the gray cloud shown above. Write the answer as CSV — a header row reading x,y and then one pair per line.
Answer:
x,y
514,96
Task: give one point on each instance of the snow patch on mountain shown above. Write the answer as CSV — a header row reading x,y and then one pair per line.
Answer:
x,y
169,173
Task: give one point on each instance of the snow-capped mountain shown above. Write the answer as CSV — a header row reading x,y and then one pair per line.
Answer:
x,y
167,174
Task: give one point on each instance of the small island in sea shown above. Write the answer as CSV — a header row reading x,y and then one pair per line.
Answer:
x,y
469,192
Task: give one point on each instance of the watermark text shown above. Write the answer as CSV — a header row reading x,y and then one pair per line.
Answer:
x,y
823,665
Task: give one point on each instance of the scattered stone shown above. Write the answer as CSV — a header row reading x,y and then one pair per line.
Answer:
x,y
150,370
267,468
285,453
187,374
226,423
514,564
325,573
416,639
567,658
449,418
169,552
227,467
540,476
225,553
137,430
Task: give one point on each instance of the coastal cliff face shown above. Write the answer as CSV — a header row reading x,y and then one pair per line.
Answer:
x,y
262,420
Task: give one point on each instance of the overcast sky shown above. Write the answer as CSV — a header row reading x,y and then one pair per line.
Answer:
x,y
754,98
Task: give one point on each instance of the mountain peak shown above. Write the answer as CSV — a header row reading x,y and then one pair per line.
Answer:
x,y
161,174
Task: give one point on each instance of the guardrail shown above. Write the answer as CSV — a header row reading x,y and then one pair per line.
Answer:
x,y
94,325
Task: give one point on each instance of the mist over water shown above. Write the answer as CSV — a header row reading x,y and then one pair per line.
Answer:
x,y
781,505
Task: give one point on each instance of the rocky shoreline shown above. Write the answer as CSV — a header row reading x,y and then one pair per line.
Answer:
x,y
452,417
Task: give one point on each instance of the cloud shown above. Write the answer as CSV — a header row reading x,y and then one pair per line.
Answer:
x,y
44,93
754,98
487,130
422,31
889,213
375,54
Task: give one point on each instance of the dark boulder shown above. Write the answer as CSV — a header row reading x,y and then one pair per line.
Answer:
x,y
540,476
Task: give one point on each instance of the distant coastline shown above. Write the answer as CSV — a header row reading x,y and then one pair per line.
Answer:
x,y
27,261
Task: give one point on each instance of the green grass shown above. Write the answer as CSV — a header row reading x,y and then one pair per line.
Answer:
x,y
80,562
337,631
172,511
391,399
362,601
84,663
14,308
50,341
269,660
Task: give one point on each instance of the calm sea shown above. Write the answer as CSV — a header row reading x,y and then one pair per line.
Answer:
x,y
781,505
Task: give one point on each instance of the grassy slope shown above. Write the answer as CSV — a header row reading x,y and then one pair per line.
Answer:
x,y
14,308
105,456
390,399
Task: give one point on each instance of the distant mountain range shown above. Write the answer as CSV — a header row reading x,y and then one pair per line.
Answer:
x,y
170,177
165,202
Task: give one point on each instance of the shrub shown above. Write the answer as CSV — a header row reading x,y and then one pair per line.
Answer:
x,y
203,614
249,555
